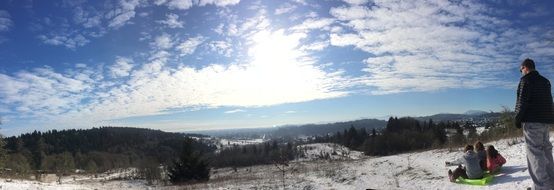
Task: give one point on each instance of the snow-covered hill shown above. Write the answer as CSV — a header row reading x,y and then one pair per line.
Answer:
x,y
421,170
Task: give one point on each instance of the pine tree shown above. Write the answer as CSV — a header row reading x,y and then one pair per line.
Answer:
x,y
3,152
190,167
373,132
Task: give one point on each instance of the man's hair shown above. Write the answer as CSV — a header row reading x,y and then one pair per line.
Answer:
x,y
529,63
468,148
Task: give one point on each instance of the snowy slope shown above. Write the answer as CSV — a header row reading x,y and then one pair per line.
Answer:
x,y
421,170
333,151
108,180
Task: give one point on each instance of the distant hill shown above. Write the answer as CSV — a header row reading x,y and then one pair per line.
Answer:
x,y
475,112
297,130
323,129
472,114
238,132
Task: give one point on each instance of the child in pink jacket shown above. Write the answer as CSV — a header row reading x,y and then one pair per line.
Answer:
x,y
494,159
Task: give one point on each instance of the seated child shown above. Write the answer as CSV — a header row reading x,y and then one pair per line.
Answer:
x,y
471,169
482,154
494,159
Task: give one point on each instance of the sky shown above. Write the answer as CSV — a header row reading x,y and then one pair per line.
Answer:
x,y
185,65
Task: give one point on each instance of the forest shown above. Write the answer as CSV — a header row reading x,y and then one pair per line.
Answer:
x,y
93,150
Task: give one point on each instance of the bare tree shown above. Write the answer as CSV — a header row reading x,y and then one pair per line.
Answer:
x,y
410,161
283,165
507,119
395,175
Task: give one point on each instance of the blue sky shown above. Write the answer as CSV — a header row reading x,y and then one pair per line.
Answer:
x,y
180,65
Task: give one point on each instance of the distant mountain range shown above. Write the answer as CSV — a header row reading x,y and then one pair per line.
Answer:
x,y
475,112
469,115
297,130
322,129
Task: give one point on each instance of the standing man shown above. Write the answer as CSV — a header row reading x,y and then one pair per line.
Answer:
x,y
535,113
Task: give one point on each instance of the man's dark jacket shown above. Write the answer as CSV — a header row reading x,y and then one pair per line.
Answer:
x,y
534,100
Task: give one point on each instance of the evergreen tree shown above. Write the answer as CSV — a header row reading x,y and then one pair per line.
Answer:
x,y
3,152
18,163
190,166
373,132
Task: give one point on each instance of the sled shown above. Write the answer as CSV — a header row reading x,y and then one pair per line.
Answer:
x,y
487,178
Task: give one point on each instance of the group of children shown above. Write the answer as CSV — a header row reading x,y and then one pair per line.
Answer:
x,y
475,162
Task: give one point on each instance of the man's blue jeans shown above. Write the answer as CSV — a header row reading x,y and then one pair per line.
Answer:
x,y
539,154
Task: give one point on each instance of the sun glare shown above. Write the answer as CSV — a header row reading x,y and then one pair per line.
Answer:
x,y
278,66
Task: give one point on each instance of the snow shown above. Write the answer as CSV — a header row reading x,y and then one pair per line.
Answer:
x,y
91,184
480,130
107,180
240,142
417,170
334,151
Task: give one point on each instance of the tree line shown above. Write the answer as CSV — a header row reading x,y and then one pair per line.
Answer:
x,y
410,134
93,150
399,135
256,154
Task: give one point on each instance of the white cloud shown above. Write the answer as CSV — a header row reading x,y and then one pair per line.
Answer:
x,y
80,65
87,22
163,41
5,24
88,19
234,111
187,4
317,46
285,8
179,4
221,47
42,92
310,24
5,21
69,41
347,40
172,21
302,2
356,2
251,26
121,67
189,46
160,2
219,28
425,46
124,13
290,112
220,3
350,13
278,72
